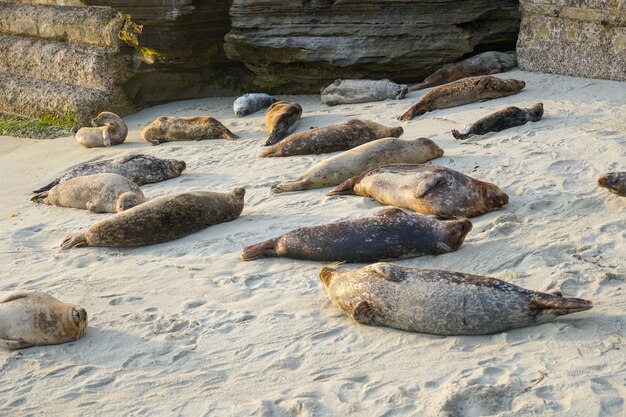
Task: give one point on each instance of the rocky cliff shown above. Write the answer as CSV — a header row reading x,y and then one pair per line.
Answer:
x,y
583,38
300,45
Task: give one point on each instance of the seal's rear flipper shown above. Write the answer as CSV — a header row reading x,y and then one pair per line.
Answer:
x,y
559,305
265,249
39,197
13,344
420,86
47,187
228,135
459,135
363,313
281,187
74,240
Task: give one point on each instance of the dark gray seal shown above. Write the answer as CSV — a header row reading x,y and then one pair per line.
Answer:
x,y
465,91
501,120
162,219
615,182
281,119
440,302
362,91
252,103
487,63
140,169
389,234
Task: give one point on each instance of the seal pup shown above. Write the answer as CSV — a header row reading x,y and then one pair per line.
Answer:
x,y
465,91
389,234
162,219
251,103
100,193
486,63
281,120
426,189
108,129
338,168
440,302
36,318
337,137
615,182
140,169
503,119
169,129
362,91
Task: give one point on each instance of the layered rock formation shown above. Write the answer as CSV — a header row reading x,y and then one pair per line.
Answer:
x,y
301,45
584,38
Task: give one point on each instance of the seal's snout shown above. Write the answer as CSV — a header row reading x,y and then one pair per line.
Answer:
x,y
397,131
498,198
326,275
79,316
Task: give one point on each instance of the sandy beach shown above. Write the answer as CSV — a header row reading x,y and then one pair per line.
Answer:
x,y
186,328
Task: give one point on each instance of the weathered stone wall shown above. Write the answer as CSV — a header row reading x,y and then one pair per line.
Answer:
x,y
300,45
583,38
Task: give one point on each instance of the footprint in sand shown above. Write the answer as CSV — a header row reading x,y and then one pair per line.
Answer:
x,y
479,400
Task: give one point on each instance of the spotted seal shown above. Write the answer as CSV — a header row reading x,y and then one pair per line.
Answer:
x,y
281,119
362,91
108,130
389,234
162,219
337,137
487,63
426,189
100,193
615,182
252,103
501,120
36,318
465,91
170,129
140,169
440,302
338,168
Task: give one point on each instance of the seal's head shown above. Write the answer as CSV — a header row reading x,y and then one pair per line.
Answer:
x,y
128,200
106,119
75,322
536,112
458,230
436,150
176,166
326,275
615,182
495,197
242,106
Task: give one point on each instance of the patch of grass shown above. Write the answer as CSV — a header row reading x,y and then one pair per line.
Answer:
x,y
46,127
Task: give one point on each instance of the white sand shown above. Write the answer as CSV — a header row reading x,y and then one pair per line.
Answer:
x,y
185,328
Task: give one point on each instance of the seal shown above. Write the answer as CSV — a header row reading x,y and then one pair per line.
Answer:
x,y
108,129
615,182
487,63
281,120
440,302
338,168
465,91
140,169
501,120
252,103
100,193
426,189
362,91
36,318
337,137
169,129
389,234
162,219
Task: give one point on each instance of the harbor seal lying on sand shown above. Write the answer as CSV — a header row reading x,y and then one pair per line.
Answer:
x,y
162,219
426,189
169,129
100,193
252,103
487,63
281,120
337,137
36,318
465,91
140,169
338,168
440,302
615,182
389,234
504,119
362,91
108,129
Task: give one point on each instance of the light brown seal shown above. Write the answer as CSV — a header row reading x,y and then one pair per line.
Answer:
x,y
100,193
389,234
615,182
35,318
440,302
169,129
465,91
487,63
427,189
108,130
337,137
338,168
281,119
162,219
501,120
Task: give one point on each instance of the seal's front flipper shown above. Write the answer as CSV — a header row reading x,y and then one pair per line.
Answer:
x,y
129,157
389,271
13,344
16,295
363,313
429,182
74,240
